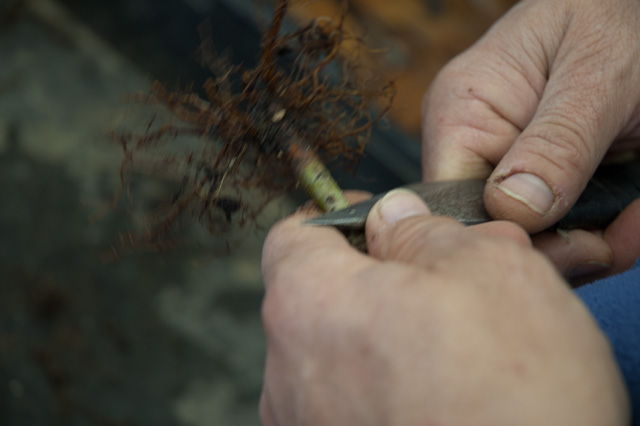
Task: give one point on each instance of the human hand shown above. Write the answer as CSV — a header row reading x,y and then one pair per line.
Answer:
x,y
534,106
440,324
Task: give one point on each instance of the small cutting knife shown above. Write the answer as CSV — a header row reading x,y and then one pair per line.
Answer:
x,y
611,189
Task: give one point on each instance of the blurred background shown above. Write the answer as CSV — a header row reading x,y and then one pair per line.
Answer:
x,y
170,338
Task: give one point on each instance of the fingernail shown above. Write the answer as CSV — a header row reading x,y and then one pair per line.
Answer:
x,y
588,268
530,190
400,204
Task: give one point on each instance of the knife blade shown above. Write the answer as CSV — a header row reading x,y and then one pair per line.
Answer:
x,y
611,189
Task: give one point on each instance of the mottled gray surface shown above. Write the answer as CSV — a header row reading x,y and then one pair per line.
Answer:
x,y
151,339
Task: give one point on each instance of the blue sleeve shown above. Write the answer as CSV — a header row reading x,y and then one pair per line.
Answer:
x,y
615,303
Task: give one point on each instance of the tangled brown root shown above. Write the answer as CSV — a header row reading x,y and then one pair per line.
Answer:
x,y
302,96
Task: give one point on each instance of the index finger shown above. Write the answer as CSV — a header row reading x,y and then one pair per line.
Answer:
x,y
293,249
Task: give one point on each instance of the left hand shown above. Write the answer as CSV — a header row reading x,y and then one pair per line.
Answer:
x,y
534,106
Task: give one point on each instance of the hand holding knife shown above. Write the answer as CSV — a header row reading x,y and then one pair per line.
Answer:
x,y
611,189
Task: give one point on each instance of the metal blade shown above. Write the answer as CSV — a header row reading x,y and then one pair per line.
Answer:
x,y
460,199
611,189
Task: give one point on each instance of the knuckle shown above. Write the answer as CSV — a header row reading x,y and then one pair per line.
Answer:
x,y
562,142
523,263
506,250
415,239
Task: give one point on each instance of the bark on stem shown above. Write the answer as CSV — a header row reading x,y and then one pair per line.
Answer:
x,y
316,178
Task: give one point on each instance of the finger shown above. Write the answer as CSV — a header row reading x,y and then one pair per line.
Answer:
x,y
394,207
504,229
623,236
305,269
577,254
401,227
583,256
291,243
470,120
480,102
588,100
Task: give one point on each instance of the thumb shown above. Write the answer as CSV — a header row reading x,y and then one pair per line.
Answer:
x,y
400,227
587,102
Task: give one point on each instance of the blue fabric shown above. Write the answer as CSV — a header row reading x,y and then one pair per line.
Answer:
x,y
615,303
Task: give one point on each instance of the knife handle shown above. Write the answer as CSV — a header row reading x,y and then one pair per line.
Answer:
x,y
611,189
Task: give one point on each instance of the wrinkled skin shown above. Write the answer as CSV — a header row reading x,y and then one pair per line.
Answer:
x,y
443,324
548,91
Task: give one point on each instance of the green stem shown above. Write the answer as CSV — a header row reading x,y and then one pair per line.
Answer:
x,y
316,179
320,185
